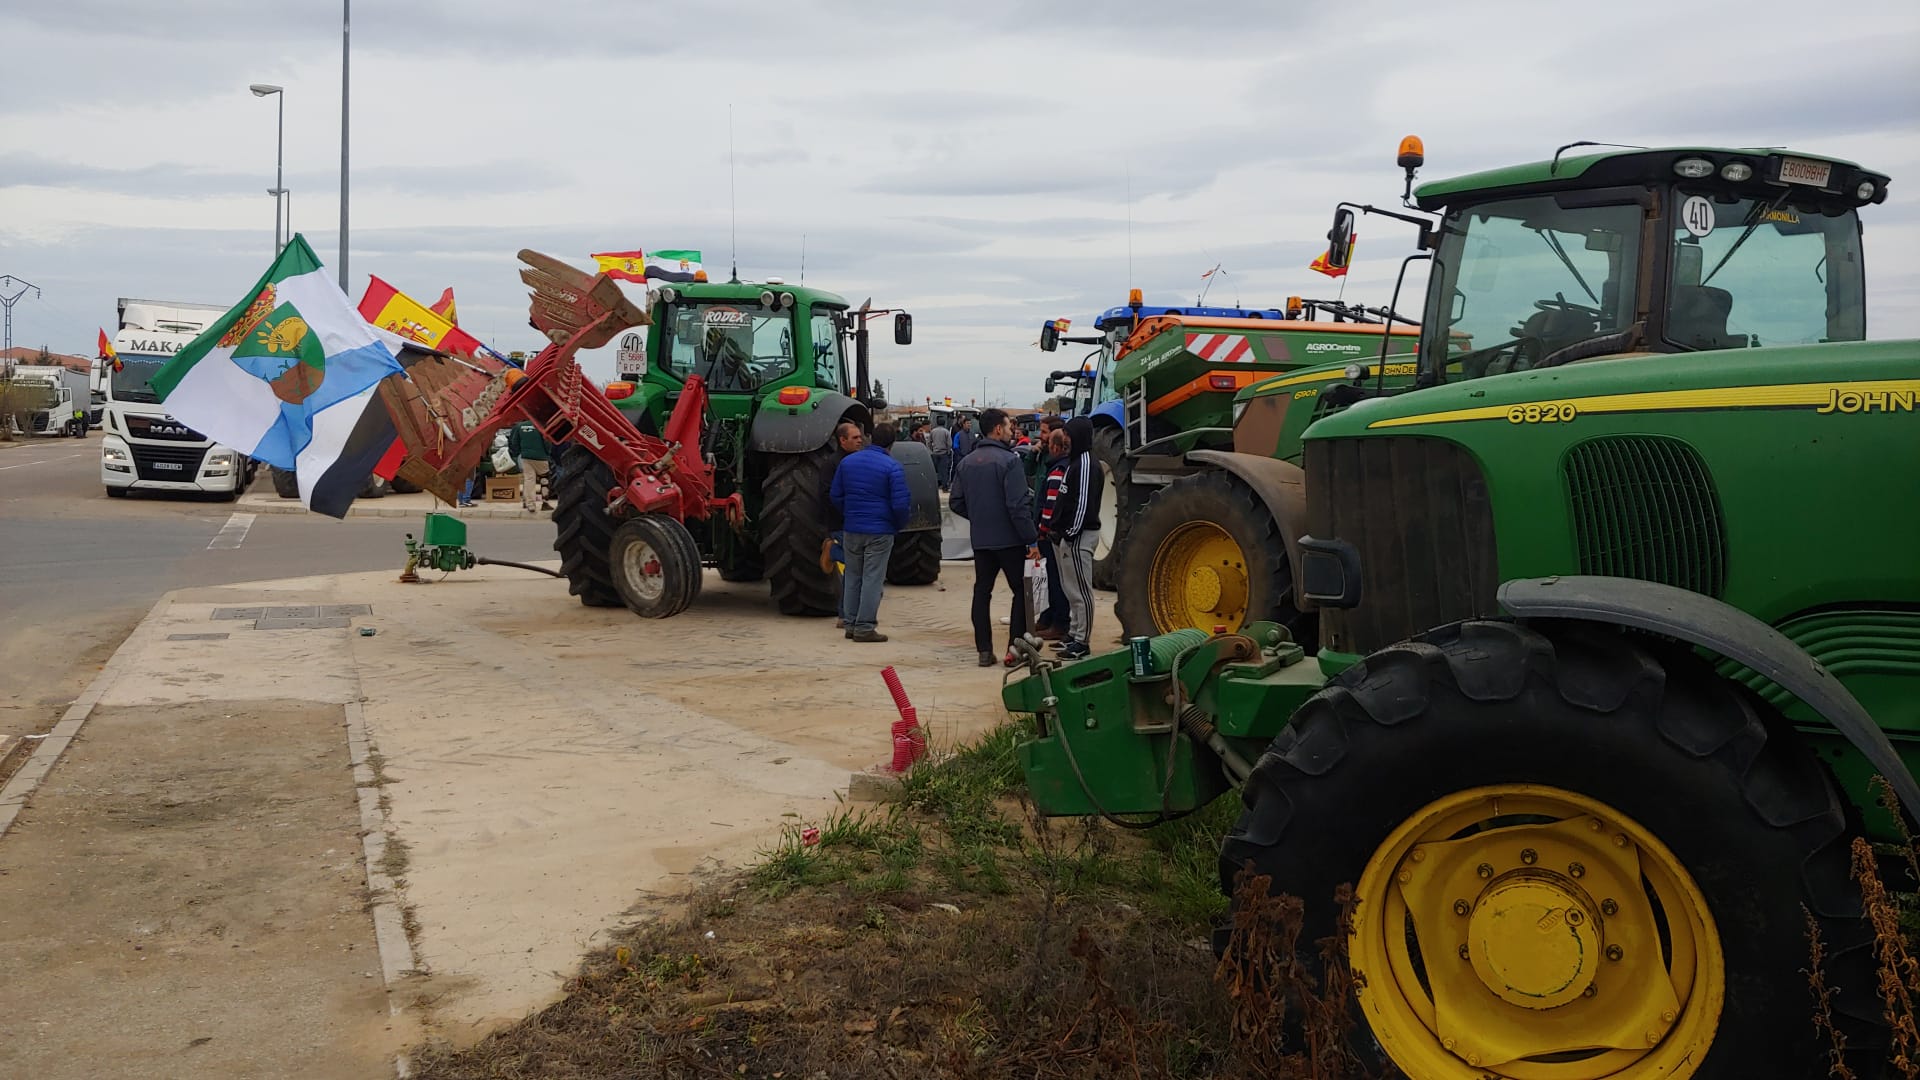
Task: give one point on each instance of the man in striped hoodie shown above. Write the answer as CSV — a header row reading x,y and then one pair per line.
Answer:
x,y
1072,525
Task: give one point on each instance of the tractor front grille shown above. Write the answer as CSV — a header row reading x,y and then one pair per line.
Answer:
x,y
1644,507
1416,510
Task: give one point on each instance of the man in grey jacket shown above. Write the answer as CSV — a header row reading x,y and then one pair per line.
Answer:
x,y
940,445
990,490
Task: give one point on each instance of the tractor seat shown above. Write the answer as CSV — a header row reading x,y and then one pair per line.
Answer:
x,y
1698,319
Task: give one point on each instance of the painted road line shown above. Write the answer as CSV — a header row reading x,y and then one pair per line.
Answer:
x,y
232,534
42,461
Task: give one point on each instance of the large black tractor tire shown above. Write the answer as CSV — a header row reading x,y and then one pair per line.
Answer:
x,y
400,486
286,483
655,565
1645,735
1117,499
583,533
793,525
915,559
376,487
1165,587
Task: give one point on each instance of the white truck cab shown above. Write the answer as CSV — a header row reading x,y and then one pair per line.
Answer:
x,y
142,446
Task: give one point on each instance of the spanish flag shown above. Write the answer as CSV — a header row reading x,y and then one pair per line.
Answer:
x,y
444,307
1319,264
622,265
107,353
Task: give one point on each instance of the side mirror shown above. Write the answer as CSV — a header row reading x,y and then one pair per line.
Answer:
x,y
1340,239
902,328
1049,336
1051,384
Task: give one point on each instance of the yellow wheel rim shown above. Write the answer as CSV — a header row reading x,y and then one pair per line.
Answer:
x,y
1533,933
1198,579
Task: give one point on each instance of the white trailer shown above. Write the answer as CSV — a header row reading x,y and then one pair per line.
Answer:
x,y
48,400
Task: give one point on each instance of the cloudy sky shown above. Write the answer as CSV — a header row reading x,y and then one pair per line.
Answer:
x,y
986,164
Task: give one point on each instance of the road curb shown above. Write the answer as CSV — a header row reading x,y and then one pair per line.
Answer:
x,y
20,788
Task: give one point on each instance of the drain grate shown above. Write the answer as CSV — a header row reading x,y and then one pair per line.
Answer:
x,y
286,617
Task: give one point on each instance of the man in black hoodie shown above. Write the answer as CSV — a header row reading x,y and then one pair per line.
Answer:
x,y
1074,529
990,490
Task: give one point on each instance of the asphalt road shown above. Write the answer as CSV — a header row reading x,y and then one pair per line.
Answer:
x,y
79,570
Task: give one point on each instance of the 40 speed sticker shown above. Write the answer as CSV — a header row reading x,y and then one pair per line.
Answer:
x,y
1542,412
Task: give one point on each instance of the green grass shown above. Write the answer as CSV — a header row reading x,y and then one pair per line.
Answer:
x,y
961,828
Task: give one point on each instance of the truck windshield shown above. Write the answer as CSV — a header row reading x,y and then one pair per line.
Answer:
x,y
1522,278
134,382
735,345
1748,273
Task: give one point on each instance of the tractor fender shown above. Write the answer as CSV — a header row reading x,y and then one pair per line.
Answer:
x,y
1723,629
796,429
923,487
1110,412
1282,486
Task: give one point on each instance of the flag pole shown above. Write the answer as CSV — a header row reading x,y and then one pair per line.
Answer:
x,y
346,27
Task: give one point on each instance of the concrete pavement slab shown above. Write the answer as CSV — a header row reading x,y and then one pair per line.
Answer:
x,y
548,771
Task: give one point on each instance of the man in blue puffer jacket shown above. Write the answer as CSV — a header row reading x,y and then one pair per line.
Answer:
x,y
870,491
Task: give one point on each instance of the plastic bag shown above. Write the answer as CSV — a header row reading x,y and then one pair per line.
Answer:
x,y
1037,597
502,461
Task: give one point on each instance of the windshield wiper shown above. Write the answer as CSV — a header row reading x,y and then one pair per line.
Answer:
x,y
1754,217
1553,244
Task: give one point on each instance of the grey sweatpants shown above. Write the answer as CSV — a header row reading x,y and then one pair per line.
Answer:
x,y
1075,559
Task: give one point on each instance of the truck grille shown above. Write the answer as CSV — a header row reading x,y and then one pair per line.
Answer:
x,y
147,427
1416,509
1644,507
149,462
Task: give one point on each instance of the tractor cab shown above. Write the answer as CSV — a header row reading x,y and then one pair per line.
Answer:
x,y
1636,251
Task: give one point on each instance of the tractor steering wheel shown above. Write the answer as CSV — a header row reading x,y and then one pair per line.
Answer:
x,y
1561,303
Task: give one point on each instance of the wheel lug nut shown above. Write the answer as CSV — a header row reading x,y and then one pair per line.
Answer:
x,y
1406,876
1575,917
1615,952
1528,856
1577,870
1485,871
1666,1016
1463,952
1460,907
1593,823
1619,839
1590,990
1419,855
1608,907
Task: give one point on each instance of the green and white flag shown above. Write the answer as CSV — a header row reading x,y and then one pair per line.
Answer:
x,y
674,266
289,377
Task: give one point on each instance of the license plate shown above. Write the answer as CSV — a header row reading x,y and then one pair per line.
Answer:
x,y
1801,171
171,466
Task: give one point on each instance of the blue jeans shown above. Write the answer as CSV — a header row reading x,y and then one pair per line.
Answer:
x,y
943,470
866,577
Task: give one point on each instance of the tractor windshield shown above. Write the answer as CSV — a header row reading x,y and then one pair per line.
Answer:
x,y
1520,279
1751,272
735,345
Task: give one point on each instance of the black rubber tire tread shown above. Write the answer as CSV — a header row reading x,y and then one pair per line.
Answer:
x,y
583,532
286,483
1641,725
915,559
1110,450
375,488
793,524
679,559
117,493
403,487
1226,500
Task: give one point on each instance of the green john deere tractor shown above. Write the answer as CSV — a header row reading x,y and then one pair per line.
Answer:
x,y
1618,616
1160,386
783,366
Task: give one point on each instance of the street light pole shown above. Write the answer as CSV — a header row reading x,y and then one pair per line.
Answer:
x,y
279,155
346,24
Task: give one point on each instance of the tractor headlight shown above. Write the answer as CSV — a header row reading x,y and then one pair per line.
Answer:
x,y
1736,171
769,299
1356,372
1693,168
1865,191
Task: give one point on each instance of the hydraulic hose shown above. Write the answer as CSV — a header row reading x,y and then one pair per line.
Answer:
x,y
482,560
